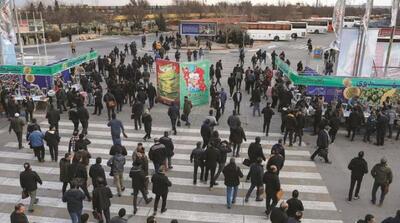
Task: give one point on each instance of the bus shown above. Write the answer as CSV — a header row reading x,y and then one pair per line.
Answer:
x,y
317,26
275,31
350,21
299,29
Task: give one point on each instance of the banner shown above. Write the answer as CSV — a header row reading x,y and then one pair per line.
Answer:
x,y
167,81
338,17
335,81
198,28
7,35
195,82
395,8
48,70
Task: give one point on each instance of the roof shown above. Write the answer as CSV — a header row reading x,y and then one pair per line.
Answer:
x,y
227,20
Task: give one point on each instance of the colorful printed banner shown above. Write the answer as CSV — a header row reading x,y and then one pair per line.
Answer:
x,y
48,70
195,82
335,81
167,81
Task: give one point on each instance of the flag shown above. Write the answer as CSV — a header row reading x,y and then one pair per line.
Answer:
x,y
338,17
368,9
6,23
395,8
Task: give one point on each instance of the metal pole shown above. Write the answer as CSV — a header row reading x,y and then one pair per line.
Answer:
x,y
21,46
44,37
389,51
36,36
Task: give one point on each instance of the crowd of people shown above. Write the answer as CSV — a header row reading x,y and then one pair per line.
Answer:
x,y
130,85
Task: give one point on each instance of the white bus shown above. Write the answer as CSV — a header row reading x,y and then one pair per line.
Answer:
x,y
317,26
350,21
268,30
299,29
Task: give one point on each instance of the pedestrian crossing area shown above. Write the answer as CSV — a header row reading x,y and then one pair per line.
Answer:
x,y
186,202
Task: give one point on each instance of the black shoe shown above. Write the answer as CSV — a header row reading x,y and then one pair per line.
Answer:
x,y
163,210
373,202
134,211
31,210
215,184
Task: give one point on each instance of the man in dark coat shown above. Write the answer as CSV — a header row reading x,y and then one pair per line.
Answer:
x,y
237,98
278,214
161,184
98,103
157,154
17,124
383,177
290,127
272,186
173,113
277,160
74,198
268,113
205,132
73,116
18,215
231,84
358,167
53,117
29,108
232,175
169,148
138,184
381,124
151,94
323,141
64,165
83,116
197,157
295,204
255,151
256,176
96,172
101,199
354,122
28,180
211,158
393,219
137,111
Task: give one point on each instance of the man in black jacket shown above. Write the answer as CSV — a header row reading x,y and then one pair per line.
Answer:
x,y
278,214
151,93
272,186
323,141
28,180
277,160
231,84
256,175
160,188
96,171
295,204
137,111
268,113
74,198
211,158
101,199
197,157
53,117
83,116
138,184
358,167
173,113
73,116
290,127
237,98
232,175
18,215
255,150
169,148
381,124
157,154
205,132
224,149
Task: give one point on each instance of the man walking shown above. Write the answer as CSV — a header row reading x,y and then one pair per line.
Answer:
x,y
160,188
237,98
295,205
358,167
255,175
83,116
383,177
173,113
101,200
74,198
138,184
116,128
53,117
169,148
157,154
268,113
278,214
28,180
272,186
64,165
52,139
18,215
137,111
381,124
211,157
255,151
117,163
17,125
322,144
96,172
187,108
36,141
197,157
232,174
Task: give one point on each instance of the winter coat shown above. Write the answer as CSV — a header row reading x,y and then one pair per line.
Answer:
x,y
18,218
117,163
84,156
173,112
255,151
83,114
118,219
355,120
205,131
358,167
276,160
392,219
36,138
53,116
118,149
137,109
16,125
29,179
256,174
272,182
323,140
157,153
197,155
294,206
237,136
278,215
147,121
96,171
160,183
101,198
52,138
232,175
169,145
187,107
268,113
138,177
233,122
77,170
74,198
382,174
291,122
211,156
64,166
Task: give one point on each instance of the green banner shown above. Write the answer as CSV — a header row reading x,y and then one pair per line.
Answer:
x,y
195,82
335,81
48,70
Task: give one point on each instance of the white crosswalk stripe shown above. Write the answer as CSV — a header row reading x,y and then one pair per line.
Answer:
x,y
299,173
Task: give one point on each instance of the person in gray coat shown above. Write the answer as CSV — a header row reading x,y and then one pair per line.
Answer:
x,y
117,163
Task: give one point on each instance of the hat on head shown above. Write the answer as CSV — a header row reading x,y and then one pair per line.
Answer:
x,y
383,160
16,115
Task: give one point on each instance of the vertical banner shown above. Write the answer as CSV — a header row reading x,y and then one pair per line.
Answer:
x,y
338,17
395,8
167,81
195,82
7,35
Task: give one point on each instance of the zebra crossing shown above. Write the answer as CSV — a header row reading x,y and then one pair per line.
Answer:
x,y
186,202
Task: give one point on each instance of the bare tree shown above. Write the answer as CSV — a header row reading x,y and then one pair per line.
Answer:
x,y
136,10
